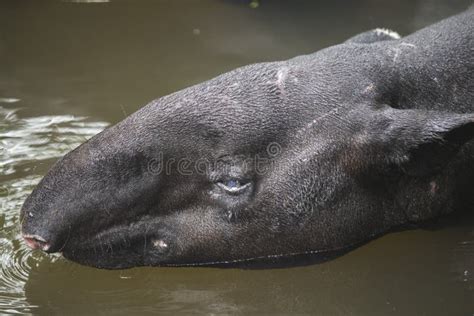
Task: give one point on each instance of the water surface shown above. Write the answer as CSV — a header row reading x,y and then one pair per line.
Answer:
x,y
68,69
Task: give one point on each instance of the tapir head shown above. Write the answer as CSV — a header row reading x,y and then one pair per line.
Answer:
x,y
269,160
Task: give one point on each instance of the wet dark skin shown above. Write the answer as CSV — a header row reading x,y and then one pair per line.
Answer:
x,y
311,155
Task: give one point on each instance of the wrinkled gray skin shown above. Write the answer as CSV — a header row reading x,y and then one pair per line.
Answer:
x,y
330,150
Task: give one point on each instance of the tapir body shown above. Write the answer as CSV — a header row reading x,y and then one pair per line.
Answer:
x,y
311,155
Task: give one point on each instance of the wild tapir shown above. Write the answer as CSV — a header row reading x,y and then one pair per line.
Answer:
x,y
311,155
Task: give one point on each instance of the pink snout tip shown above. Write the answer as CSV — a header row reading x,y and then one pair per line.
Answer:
x,y
36,242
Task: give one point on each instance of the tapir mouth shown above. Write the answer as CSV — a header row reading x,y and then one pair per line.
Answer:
x,y
107,257
108,248
36,242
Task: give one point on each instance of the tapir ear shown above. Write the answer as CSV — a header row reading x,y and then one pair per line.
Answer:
x,y
421,142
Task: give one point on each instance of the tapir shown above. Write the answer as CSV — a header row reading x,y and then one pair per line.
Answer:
x,y
309,156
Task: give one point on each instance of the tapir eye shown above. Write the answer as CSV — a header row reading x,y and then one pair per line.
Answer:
x,y
233,185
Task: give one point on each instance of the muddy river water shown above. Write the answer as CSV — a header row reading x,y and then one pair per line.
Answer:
x,y
69,69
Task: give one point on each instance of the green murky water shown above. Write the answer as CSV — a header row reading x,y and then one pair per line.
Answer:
x,y
70,68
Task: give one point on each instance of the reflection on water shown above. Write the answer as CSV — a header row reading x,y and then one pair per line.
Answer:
x,y
25,145
40,138
62,62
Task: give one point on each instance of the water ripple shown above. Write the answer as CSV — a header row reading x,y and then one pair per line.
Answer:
x,y
40,138
25,144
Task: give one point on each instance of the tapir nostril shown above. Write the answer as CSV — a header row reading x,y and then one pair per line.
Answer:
x,y
36,242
